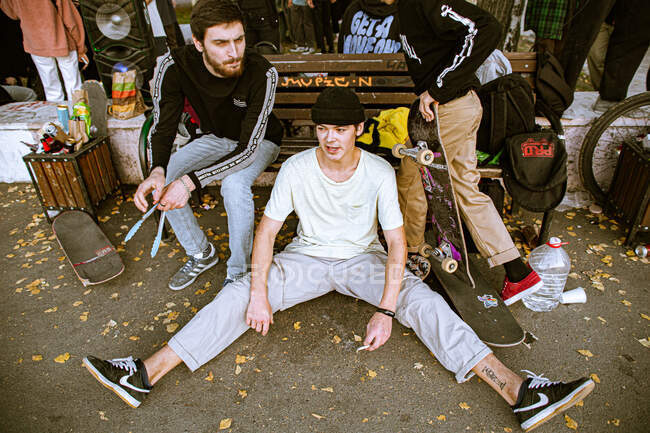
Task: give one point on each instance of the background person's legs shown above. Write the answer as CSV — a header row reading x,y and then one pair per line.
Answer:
x,y
627,47
239,205
48,72
412,202
69,67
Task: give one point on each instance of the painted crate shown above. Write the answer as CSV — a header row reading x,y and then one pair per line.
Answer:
x,y
79,180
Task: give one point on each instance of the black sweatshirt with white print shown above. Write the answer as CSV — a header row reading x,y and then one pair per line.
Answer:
x,y
236,108
444,42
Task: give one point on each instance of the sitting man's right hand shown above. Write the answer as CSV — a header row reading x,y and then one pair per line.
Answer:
x,y
259,315
155,181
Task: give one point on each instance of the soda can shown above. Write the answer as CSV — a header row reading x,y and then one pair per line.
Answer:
x,y
63,115
50,129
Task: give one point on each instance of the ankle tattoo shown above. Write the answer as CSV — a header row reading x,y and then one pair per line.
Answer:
x,y
493,377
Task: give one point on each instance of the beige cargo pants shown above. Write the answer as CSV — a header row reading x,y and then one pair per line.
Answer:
x,y
459,122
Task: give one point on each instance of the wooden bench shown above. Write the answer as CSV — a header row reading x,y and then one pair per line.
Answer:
x,y
382,82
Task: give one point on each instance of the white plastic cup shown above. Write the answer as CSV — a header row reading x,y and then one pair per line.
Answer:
x,y
575,296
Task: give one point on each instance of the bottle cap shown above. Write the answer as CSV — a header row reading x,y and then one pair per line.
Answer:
x,y
555,242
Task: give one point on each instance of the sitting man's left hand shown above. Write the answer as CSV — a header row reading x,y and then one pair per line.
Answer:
x,y
378,331
174,197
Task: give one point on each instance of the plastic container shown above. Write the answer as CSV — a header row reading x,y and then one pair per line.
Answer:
x,y
552,264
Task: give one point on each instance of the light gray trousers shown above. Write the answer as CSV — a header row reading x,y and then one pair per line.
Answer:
x,y
295,278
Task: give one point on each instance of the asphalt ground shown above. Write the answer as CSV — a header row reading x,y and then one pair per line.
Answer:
x,y
305,375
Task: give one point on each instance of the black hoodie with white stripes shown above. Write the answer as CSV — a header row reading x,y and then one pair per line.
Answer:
x,y
444,42
236,108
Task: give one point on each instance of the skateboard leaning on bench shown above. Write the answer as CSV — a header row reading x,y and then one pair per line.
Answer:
x,y
475,300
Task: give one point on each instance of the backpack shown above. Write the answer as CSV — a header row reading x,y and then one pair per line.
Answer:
x,y
508,109
550,85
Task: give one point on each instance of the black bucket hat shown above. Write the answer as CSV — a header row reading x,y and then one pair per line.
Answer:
x,y
337,106
535,170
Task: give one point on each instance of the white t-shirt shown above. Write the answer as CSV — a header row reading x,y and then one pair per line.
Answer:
x,y
337,219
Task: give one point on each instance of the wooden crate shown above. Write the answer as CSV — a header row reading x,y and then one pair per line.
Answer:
x,y
79,180
629,195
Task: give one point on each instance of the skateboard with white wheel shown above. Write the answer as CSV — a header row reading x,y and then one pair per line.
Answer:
x,y
473,298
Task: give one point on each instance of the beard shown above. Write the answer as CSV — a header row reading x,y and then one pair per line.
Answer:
x,y
222,69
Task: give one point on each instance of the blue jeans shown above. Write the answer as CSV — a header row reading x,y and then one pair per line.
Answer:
x,y
236,193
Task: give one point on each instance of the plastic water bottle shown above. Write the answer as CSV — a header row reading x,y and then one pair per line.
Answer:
x,y
552,264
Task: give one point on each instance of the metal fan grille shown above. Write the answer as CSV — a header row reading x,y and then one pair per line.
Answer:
x,y
113,21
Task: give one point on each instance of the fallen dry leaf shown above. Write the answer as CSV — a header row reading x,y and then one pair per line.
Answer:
x,y
327,389
51,310
645,316
336,339
570,422
645,341
296,325
240,359
317,416
242,393
372,373
614,421
237,369
61,359
441,418
37,358
225,423
463,405
209,377
357,337
586,353
84,316
595,377
626,303
134,338
172,327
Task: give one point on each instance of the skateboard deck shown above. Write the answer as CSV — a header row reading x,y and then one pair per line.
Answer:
x,y
91,254
441,201
476,302
481,308
98,103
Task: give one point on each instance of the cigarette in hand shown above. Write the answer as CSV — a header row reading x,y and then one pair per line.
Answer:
x,y
363,348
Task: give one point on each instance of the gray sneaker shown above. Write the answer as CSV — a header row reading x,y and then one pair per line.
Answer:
x,y
194,266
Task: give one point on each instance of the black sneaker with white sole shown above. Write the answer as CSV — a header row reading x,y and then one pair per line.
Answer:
x,y
192,268
126,377
540,399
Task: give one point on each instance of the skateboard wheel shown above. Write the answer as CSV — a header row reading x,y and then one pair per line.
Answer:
x,y
425,157
425,250
397,150
449,265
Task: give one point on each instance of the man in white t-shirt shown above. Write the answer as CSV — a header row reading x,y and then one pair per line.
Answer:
x,y
339,193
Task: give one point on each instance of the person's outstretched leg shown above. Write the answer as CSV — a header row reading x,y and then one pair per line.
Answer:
x,y
293,278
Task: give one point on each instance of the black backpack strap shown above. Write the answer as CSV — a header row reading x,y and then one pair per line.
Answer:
x,y
553,118
499,120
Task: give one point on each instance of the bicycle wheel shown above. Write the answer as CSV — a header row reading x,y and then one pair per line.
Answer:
x,y
627,120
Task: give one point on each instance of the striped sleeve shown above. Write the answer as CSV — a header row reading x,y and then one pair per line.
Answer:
x,y
167,98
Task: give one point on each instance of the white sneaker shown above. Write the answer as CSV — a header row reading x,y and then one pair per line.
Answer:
x,y
297,49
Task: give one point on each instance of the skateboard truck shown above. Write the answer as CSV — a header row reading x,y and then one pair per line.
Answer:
x,y
441,253
420,152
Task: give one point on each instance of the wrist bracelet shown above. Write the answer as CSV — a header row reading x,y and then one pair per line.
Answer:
x,y
187,188
386,312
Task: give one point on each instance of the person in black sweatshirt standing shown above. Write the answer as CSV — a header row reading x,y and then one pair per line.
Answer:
x,y
444,43
232,91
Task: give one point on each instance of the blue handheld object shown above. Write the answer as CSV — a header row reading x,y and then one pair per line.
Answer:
x,y
156,242
137,225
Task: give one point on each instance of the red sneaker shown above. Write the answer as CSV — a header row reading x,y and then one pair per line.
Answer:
x,y
512,292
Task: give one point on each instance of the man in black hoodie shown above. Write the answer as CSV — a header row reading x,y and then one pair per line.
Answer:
x,y
444,43
232,91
